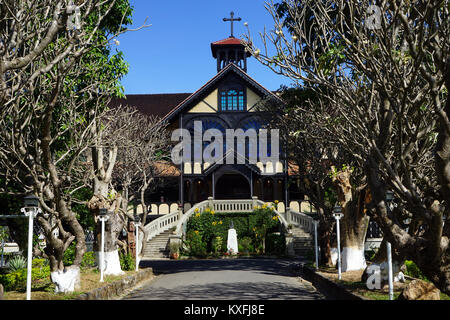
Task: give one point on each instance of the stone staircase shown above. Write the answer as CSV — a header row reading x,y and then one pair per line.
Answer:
x,y
303,242
158,246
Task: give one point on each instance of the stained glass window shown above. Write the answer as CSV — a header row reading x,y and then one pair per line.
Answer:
x,y
232,100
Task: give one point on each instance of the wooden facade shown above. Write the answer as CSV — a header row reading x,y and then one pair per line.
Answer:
x,y
229,100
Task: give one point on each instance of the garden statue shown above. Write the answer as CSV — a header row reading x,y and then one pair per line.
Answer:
x,y
232,244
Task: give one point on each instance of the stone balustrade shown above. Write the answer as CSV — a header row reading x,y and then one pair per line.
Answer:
x,y
177,219
171,207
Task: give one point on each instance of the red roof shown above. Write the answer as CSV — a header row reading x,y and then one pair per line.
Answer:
x,y
228,41
231,41
151,104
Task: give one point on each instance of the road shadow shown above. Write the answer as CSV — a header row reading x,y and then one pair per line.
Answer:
x,y
265,266
228,291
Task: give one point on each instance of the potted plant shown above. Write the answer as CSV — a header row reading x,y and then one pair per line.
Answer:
x,y
245,243
174,251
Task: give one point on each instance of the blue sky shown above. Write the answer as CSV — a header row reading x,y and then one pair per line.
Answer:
x,y
173,55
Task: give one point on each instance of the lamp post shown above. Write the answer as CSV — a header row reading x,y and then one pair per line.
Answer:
x,y
103,216
337,214
389,199
315,243
31,210
137,223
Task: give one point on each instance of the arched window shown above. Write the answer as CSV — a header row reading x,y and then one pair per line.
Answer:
x,y
232,99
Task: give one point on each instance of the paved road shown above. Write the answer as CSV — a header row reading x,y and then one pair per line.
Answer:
x,y
224,279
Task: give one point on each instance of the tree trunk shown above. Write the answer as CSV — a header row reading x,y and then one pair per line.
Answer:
x,y
429,251
325,231
354,223
113,227
143,244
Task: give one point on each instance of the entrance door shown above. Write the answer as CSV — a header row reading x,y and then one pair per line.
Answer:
x,y
232,186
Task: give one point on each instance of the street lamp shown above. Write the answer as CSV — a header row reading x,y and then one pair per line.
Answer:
x,y
31,210
137,223
389,199
103,216
316,222
337,214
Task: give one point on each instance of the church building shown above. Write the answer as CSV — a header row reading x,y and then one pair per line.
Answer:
x,y
230,100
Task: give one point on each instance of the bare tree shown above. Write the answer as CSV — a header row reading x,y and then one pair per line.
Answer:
x,y
127,145
385,71
50,97
326,172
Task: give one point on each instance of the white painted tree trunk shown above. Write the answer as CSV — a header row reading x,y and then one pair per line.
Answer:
x,y
66,281
353,259
112,262
334,256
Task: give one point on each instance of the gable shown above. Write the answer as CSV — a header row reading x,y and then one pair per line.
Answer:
x,y
210,104
207,105
206,99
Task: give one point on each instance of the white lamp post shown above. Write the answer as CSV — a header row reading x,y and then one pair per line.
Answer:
x,y
316,222
389,198
31,210
137,223
103,216
337,214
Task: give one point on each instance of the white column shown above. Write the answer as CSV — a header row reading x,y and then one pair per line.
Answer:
x,y
391,276
30,252
137,246
338,247
315,244
102,252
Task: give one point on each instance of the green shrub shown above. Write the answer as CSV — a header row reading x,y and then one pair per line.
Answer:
x,y
413,270
247,225
195,244
217,244
88,260
17,263
16,281
69,254
127,262
275,244
246,244
39,263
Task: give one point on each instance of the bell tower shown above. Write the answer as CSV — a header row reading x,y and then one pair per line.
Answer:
x,y
230,49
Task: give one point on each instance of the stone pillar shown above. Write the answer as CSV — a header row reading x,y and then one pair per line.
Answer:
x,y
180,212
211,203
287,215
1,292
290,245
254,199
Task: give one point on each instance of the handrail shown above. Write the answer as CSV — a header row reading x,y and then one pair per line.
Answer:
x,y
179,221
183,221
241,205
161,224
299,219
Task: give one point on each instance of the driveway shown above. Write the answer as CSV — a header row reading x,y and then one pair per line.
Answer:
x,y
224,279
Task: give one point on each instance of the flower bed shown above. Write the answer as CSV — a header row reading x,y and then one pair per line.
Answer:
x,y
258,232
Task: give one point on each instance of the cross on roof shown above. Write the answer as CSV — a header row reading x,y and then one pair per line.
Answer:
x,y
232,20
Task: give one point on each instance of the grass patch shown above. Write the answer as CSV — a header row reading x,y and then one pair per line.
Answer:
x,y
45,290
